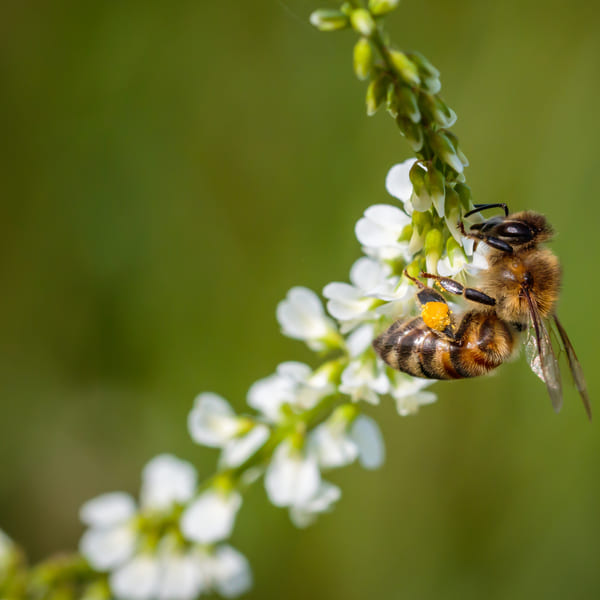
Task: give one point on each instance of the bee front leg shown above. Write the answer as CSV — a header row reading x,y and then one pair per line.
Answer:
x,y
454,287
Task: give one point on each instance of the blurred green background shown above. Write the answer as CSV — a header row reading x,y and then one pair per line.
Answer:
x,y
169,170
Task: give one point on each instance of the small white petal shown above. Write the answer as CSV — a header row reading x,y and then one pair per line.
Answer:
x,y
241,448
292,477
322,501
367,436
212,422
302,317
180,578
108,509
366,274
359,340
108,548
137,580
332,446
166,480
397,181
231,572
210,518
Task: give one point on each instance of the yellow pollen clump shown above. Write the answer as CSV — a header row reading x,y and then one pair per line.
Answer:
x,y
436,315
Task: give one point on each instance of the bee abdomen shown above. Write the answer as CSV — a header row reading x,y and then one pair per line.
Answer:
x,y
482,342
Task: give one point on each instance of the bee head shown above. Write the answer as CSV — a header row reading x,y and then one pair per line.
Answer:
x,y
519,230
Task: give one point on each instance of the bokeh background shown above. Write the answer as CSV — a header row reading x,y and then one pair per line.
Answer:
x,y
169,170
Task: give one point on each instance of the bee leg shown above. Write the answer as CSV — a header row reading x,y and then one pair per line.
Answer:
x,y
454,287
491,241
425,294
480,207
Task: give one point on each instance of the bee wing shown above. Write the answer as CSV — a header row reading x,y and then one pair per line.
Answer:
x,y
543,362
575,367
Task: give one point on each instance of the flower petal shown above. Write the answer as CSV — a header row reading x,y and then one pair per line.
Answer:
x,y
241,448
322,501
138,579
292,477
232,574
108,509
166,480
212,422
180,578
301,315
397,181
332,446
367,436
107,548
210,518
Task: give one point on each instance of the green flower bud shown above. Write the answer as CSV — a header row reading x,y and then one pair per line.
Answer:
x,y
454,251
436,110
463,159
424,66
464,194
392,100
421,221
412,131
362,21
434,244
406,233
420,198
376,93
443,147
414,269
382,7
407,104
363,58
405,67
329,20
436,187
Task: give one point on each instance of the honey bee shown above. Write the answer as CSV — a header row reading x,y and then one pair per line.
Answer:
x,y
516,294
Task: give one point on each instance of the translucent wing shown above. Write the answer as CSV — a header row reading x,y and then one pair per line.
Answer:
x,y
541,355
575,367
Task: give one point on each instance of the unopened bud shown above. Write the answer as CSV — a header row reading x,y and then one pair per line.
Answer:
x,y
464,194
407,104
376,93
420,199
382,7
362,21
444,148
405,67
329,20
436,110
363,58
436,187
412,131
434,244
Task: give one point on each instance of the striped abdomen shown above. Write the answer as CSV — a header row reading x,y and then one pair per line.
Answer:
x,y
481,343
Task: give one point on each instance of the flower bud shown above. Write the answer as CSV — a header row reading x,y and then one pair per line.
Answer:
x,y
424,66
362,21
376,93
443,147
407,104
404,67
436,187
434,244
464,194
329,20
392,103
436,110
463,159
412,131
421,225
382,7
363,58
420,198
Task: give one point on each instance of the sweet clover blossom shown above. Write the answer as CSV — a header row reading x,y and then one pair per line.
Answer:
x,y
302,421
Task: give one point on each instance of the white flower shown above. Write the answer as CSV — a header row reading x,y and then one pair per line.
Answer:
x,y
302,317
181,576
364,379
344,437
138,579
210,518
293,384
379,232
408,394
324,498
292,477
226,571
455,263
166,480
112,537
212,422
398,185
240,448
